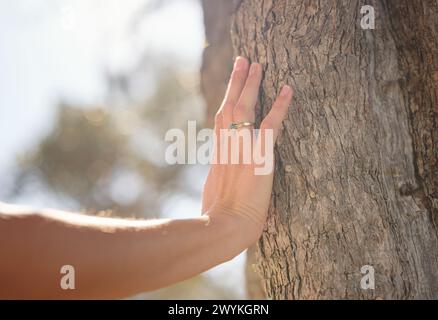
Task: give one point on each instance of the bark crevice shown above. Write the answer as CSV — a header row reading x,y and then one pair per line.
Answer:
x,y
349,144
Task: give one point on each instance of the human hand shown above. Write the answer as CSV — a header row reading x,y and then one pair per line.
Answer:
x,y
236,190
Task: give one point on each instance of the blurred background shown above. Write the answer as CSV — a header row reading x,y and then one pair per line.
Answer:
x,y
88,89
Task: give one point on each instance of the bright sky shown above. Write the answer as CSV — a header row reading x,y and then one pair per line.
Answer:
x,y
51,49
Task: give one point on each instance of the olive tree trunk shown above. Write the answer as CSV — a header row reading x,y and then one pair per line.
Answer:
x,y
356,181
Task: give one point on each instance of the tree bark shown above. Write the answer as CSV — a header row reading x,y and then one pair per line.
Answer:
x,y
356,179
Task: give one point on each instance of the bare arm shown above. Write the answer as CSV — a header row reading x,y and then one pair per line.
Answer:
x,y
116,257
111,257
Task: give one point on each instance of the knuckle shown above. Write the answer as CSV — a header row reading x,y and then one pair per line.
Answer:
x,y
281,101
253,78
239,112
240,107
228,105
266,124
238,75
218,117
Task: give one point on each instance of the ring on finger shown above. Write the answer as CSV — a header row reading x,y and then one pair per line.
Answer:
x,y
237,125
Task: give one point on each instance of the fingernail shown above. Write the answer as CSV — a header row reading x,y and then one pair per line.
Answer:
x,y
239,63
254,68
285,91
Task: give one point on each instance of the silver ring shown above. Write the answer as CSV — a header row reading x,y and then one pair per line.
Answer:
x,y
241,124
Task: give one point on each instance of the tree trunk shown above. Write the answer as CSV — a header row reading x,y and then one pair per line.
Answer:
x,y
356,179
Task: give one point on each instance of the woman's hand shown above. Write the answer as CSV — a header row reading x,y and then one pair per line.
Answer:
x,y
116,257
235,189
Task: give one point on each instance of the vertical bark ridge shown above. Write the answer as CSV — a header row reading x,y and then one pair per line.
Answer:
x,y
346,155
414,25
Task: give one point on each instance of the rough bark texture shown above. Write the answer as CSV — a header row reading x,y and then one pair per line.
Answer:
x,y
253,281
414,25
356,174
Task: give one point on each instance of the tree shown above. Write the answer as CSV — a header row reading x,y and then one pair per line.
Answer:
x,y
356,182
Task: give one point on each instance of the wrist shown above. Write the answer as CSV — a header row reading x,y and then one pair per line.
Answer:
x,y
246,224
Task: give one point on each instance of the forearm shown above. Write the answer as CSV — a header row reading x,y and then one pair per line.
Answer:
x,y
117,258
112,257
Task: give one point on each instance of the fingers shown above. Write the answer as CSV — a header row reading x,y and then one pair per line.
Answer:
x,y
278,112
218,125
240,100
244,109
234,90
